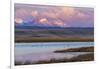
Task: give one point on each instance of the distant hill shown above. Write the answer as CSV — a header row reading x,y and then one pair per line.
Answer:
x,y
48,27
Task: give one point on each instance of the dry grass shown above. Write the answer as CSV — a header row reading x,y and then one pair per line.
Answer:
x,y
53,39
80,58
82,49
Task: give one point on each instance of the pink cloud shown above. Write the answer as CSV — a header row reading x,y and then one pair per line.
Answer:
x,y
18,20
58,23
60,16
34,13
43,20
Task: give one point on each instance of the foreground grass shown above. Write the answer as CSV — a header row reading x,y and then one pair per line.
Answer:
x,y
81,49
80,58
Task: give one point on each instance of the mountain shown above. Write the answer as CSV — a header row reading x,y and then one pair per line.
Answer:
x,y
31,25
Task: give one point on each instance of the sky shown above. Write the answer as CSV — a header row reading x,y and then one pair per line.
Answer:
x,y
53,16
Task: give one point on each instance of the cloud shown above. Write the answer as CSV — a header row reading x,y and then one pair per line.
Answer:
x,y
67,11
34,13
22,13
18,20
61,12
58,23
43,20
81,15
55,16
84,17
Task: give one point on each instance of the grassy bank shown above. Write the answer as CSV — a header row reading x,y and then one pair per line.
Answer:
x,y
53,39
80,58
81,49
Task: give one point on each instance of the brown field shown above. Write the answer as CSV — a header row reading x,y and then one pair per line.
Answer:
x,y
52,39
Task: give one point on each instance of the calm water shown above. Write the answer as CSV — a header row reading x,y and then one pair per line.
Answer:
x,y
44,51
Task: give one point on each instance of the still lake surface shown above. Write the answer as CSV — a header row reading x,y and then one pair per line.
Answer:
x,y
35,52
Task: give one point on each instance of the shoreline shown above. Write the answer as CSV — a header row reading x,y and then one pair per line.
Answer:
x,y
80,49
79,58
